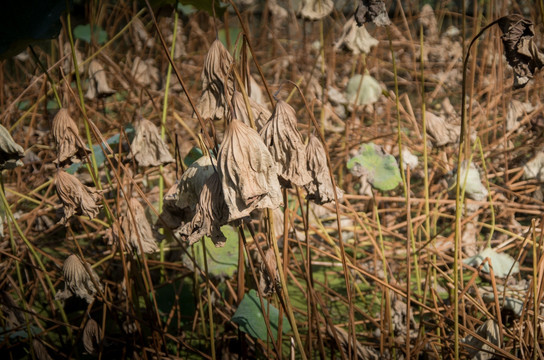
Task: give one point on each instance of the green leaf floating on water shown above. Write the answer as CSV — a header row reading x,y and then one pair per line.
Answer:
x,y
222,261
250,317
381,168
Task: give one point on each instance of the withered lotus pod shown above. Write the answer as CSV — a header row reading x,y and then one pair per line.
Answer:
x,y
98,82
70,146
267,281
77,280
91,336
372,11
11,153
520,50
320,189
148,148
77,199
260,113
137,229
316,9
281,136
213,101
211,213
248,172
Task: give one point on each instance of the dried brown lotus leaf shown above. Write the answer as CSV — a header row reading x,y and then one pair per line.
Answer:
x,y
70,146
356,39
11,153
171,215
281,136
137,230
77,199
192,182
372,11
91,336
140,36
267,281
167,29
213,101
363,352
260,113
516,111
316,9
148,148
77,280
479,350
145,73
211,213
39,350
427,19
248,172
320,189
441,130
68,63
520,50
98,82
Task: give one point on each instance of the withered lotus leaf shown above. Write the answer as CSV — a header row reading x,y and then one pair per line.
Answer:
x,y
211,213
91,336
316,9
145,73
76,198
427,19
192,182
98,82
11,153
520,50
320,189
213,101
372,11
356,39
70,146
260,113
137,230
284,141
40,350
247,171
441,130
68,63
148,148
77,280
267,281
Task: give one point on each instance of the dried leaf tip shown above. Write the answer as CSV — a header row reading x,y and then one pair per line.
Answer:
x,y
316,9
70,146
520,50
260,113
98,82
148,148
320,189
211,213
212,103
372,11
91,336
11,153
77,199
284,141
247,171
356,39
137,230
77,280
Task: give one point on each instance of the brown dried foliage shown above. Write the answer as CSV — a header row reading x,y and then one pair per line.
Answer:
x,y
77,199
320,189
70,146
148,148
372,11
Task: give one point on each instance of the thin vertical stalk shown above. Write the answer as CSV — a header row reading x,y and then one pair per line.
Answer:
x,y
210,306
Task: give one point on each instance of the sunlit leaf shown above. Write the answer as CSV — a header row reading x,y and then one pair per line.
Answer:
x,y
381,168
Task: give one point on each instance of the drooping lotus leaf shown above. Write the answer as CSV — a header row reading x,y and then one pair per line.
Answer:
x,y
381,168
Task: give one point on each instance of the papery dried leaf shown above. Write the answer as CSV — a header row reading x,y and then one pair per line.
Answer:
x,y
267,281
211,213
77,199
316,9
520,49
11,311
39,350
166,25
320,189
281,136
477,349
91,336
137,230
98,82
213,101
10,151
441,130
516,110
148,148
372,11
428,20
171,215
77,280
356,38
70,146
192,181
534,168
68,63
140,37
279,14
363,352
145,73
248,172
260,113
